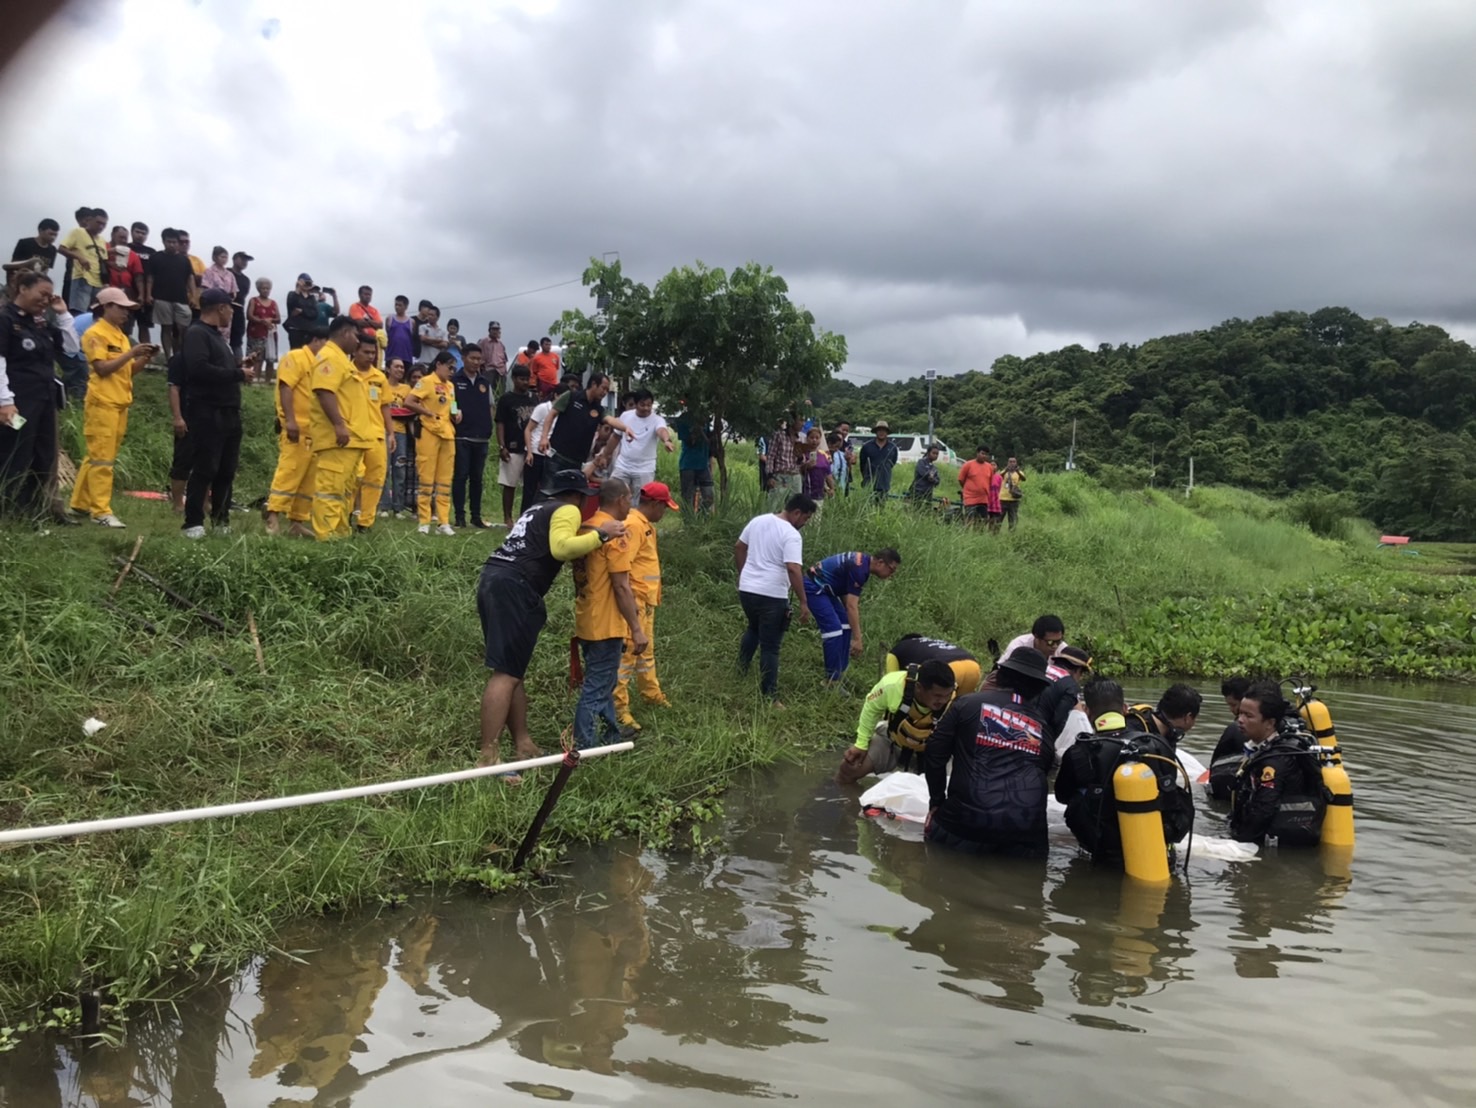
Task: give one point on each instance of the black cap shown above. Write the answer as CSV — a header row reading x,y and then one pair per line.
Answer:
x,y
214,298
571,480
1029,662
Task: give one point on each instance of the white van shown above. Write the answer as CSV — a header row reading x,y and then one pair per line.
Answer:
x,y
910,446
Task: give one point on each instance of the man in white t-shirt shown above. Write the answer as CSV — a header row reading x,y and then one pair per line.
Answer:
x,y
1047,634
636,465
535,459
769,558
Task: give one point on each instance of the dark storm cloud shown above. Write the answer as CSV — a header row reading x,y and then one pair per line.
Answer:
x,y
943,183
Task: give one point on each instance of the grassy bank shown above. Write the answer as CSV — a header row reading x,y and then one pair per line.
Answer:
x,y
373,672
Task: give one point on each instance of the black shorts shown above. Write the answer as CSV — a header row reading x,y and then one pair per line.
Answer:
x,y
179,462
512,616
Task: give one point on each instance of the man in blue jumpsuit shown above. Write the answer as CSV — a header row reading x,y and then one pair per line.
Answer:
x,y
833,593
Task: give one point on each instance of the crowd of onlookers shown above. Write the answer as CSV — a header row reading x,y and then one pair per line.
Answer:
x,y
800,457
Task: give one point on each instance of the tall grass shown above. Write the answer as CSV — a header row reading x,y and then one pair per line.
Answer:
x,y
374,671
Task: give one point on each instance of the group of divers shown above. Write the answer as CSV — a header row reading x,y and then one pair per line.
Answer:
x,y
987,743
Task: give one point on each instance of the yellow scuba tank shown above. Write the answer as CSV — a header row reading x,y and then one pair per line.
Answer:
x,y
1337,821
1318,719
1139,822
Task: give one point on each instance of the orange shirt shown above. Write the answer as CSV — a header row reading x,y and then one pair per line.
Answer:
x,y
359,311
546,369
976,477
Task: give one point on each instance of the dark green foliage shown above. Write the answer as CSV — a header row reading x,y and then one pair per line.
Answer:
x,y
1326,402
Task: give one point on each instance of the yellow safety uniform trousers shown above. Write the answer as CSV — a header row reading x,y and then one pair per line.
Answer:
x,y
435,461
371,481
103,426
295,479
335,481
641,666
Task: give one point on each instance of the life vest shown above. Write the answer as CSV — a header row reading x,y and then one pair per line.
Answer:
x,y
911,725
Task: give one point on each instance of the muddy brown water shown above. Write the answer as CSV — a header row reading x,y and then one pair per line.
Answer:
x,y
810,954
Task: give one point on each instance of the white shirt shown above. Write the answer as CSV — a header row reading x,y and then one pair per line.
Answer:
x,y
772,542
430,331
539,417
1027,639
638,455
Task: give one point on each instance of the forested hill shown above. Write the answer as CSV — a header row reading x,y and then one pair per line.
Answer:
x,y
1291,403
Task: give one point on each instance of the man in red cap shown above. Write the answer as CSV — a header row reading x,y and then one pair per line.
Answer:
x,y
645,581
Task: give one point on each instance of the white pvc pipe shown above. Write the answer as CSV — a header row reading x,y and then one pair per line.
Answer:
x,y
247,807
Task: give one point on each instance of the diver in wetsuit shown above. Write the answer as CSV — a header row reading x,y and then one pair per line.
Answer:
x,y
1230,750
1278,790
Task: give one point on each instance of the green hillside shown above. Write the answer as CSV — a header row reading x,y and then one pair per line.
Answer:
x,y
1379,417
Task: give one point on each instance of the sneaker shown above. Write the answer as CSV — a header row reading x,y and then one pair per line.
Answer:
x,y
445,529
109,520
424,528
193,532
630,730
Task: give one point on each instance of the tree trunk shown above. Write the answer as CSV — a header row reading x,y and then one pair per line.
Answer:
x,y
720,454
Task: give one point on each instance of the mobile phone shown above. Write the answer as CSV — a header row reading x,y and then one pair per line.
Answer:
x,y
17,421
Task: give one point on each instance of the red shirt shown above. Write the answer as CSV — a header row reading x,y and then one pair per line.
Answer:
x,y
125,277
261,318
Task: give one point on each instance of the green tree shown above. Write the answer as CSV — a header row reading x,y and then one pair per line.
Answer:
x,y
727,347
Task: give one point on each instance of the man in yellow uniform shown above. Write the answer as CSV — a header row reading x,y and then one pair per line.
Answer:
x,y
375,464
645,581
605,616
342,428
434,400
297,468
113,360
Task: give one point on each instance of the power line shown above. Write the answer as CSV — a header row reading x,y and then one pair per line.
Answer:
x,y
512,295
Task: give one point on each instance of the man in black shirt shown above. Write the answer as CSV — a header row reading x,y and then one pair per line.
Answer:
x,y
571,427
238,303
1230,750
213,377
514,409
473,436
139,244
37,253
171,283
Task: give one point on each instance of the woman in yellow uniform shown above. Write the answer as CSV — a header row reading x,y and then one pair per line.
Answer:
x,y
434,400
112,359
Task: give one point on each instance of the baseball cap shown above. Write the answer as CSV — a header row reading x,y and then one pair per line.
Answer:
x,y
212,298
115,296
1072,656
243,254
660,490
571,480
304,277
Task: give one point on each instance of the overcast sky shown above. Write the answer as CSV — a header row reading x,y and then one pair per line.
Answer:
x,y
941,183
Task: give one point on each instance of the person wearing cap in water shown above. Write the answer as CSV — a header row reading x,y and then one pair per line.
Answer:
x,y
112,360
1066,669
514,580
645,581
995,800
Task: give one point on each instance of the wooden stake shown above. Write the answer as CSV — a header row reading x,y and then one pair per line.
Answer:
x,y
122,573
182,601
256,642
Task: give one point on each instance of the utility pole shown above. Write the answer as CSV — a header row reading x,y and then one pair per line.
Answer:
x,y
1071,454
1190,489
931,375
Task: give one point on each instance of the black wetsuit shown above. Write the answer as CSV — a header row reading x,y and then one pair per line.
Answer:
x,y
1279,792
1084,785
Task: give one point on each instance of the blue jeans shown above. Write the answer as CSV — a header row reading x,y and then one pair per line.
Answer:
x,y
597,694
834,626
393,498
765,632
